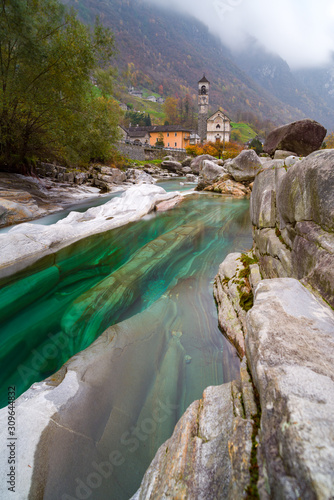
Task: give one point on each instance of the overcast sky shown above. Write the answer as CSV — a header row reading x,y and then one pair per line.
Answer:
x,y
300,31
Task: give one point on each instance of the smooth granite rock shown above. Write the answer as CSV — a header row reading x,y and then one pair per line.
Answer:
x,y
307,191
26,198
172,165
290,349
33,240
18,209
229,187
245,166
196,163
184,466
263,200
292,211
137,176
303,137
280,154
231,315
209,173
208,455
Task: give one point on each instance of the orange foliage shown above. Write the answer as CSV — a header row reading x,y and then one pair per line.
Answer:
x,y
232,149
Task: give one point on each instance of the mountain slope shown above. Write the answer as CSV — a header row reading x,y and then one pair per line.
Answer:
x,y
299,89
173,50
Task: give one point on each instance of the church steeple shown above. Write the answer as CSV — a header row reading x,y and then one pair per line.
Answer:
x,y
203,106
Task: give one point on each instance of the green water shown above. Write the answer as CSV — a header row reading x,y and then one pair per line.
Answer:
x,y
154,279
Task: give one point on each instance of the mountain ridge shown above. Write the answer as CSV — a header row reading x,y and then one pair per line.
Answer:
x,y
174,50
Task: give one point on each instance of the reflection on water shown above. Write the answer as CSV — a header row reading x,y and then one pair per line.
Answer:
x,y
155,277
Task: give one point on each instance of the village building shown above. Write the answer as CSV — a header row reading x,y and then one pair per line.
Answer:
x,y
135,93
217,127
172,136
151,98
139,136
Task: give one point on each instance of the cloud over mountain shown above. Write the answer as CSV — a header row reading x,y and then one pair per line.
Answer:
x,y
300,31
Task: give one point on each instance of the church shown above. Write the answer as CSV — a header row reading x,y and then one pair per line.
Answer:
x,y
215,128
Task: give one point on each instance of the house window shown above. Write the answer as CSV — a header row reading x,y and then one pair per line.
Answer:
x,y
167,134
168,144
175,134
218,126
175,144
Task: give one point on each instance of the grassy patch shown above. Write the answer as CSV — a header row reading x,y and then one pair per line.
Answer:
x,y
142,163
245,290
247,133
154,109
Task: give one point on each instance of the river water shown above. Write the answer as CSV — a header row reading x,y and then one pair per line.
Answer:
x,y
153,280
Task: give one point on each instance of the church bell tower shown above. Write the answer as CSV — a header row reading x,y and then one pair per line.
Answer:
x,y
203,107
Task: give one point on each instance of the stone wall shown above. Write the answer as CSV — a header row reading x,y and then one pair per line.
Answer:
x,y
140,153
131,151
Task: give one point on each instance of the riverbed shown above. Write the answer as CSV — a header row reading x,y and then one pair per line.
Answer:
x,y
153,280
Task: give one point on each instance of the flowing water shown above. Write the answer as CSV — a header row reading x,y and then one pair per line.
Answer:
x,y
152,278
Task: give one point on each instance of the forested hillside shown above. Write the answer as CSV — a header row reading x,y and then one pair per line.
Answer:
x,y
159,48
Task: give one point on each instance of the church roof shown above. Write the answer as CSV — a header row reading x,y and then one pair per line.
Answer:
x,y
219,111
160,128
204,80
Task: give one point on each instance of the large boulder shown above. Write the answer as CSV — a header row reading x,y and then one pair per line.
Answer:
x,y
196,163
307,191
186,162
137,176
292,211
229,187
17,206
303,137
290,349
172,165
209,173
245,166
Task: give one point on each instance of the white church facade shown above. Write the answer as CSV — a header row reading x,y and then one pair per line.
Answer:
x,y
215,128
218,127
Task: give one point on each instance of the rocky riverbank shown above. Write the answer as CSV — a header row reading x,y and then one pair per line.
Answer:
x,y
25,198
28,198
275,304
26,243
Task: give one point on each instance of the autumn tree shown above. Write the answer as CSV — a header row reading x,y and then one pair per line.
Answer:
x,y
171,110
48,105
236,135
329,141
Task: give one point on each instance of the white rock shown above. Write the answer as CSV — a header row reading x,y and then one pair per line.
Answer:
x,y
27,239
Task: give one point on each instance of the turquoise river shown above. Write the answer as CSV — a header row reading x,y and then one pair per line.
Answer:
x,y
152,280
